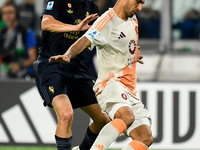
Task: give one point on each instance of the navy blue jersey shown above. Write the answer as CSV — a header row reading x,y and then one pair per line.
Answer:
x,y
72,79
69,12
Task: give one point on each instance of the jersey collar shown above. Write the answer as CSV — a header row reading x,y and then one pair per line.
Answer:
x,y
78,1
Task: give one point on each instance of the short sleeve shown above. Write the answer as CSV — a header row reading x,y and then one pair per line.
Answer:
x,y
52,7
30,39
97,37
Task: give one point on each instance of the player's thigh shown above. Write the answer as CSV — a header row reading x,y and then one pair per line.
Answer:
x,y
62,106
52,88
94,111
124,113
112,94
49,84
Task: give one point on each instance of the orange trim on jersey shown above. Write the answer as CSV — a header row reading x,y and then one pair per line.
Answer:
x,y
104,83
129,78
119,125
138,145
102,20
136,21
113,12
106,22
102,23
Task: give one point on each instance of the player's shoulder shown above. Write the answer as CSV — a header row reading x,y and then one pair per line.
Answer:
x,y
105,20
109,13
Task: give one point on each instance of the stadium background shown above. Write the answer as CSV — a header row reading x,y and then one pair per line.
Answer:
x,y
168,82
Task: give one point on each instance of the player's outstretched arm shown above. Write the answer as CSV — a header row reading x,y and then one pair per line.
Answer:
x,y
74,50
52,25
139,56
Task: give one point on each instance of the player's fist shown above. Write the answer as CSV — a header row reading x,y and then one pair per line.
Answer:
x,y
60,58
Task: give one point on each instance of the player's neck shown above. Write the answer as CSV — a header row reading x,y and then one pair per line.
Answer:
x,y
119,10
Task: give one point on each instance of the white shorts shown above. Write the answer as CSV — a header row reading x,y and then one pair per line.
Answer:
x,y
115,96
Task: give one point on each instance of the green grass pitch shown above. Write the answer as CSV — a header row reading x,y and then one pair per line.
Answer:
x,y
45,148
26,148
31,148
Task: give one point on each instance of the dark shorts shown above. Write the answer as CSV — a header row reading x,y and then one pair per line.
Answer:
x,y
54,82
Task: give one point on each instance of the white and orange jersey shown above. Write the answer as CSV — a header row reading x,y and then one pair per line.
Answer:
x,y
116,41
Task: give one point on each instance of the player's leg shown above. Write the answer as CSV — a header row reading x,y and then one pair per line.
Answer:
x,y
114,101
123,118
64,113
124,110
86,100
53,91
141,134
99,120
139,130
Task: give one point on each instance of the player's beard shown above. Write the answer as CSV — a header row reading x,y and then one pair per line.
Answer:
x,y
127,11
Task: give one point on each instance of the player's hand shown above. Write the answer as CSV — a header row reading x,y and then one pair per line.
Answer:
x,y
60,59
139,56
84,24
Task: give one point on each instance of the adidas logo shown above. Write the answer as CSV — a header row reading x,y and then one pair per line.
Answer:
x,y
101,147
25,121
122,35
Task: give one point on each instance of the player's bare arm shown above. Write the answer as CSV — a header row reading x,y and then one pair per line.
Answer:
x,y
139,56
52,25
74,50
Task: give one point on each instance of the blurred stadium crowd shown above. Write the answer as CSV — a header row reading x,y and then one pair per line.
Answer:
x,y
179,61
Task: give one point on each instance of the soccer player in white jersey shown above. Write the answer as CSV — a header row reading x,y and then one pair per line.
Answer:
x,y
115,34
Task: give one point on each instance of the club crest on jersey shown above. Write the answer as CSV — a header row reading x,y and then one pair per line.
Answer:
x,y
69,5
93,34
124,96
51,89
87,14
132,46
50,5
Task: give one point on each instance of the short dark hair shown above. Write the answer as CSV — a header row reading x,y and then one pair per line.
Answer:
x,y
11,4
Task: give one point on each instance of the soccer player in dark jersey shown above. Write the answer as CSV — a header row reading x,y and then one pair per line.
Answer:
x,y
65,87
